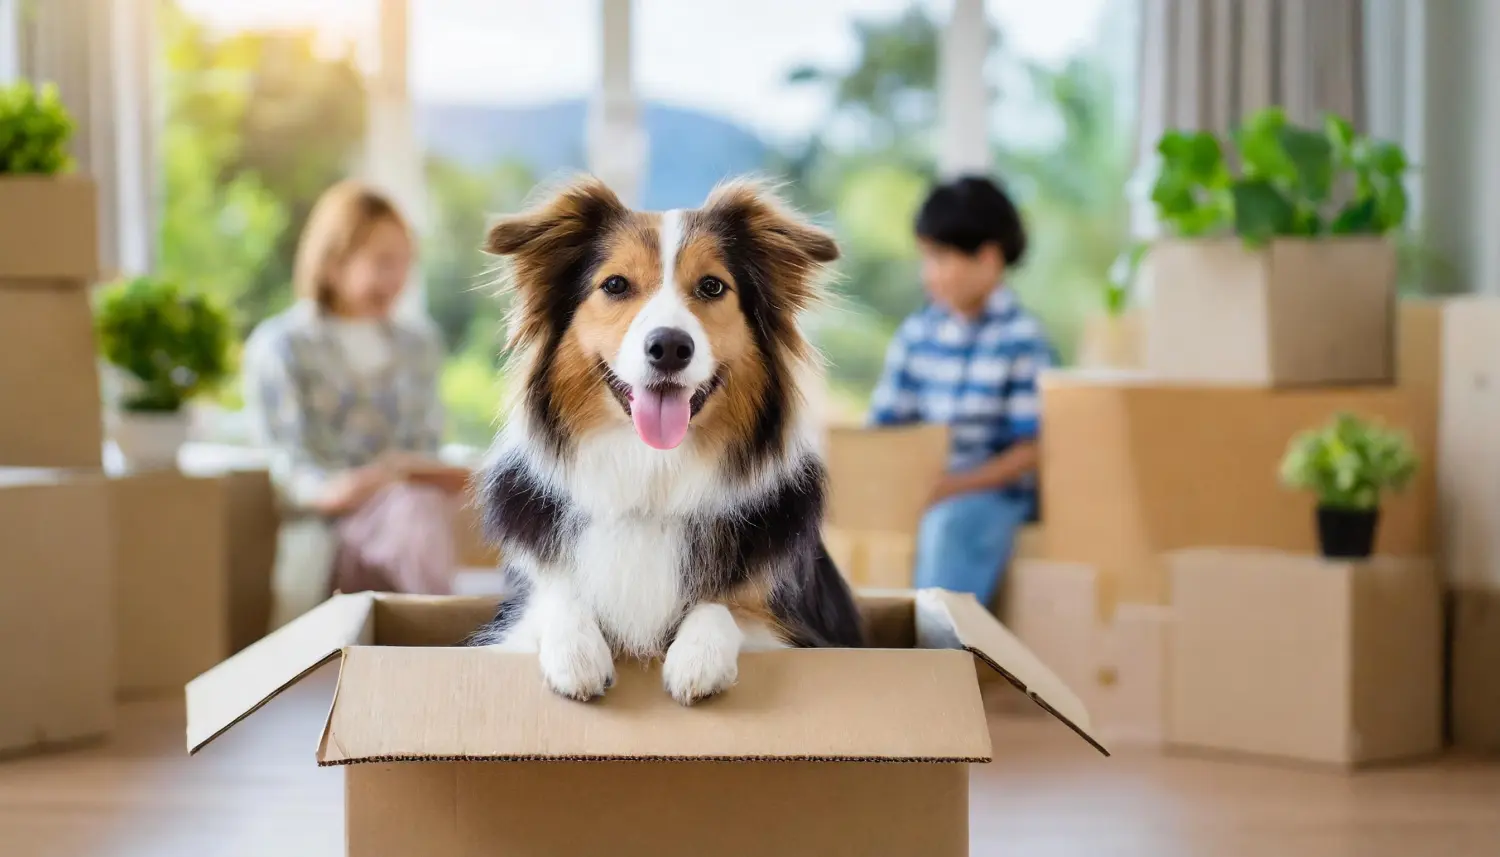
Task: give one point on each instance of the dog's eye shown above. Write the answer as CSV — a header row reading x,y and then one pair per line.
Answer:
x,y
710,288
615,285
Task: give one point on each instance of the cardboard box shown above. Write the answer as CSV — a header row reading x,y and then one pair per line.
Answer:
x,y
49,228
454,751
1469,460
1474,671
57,618
49,378
1297,312
250,529
172,579
1112,342
1132,468
1295,657
1118,667
880,480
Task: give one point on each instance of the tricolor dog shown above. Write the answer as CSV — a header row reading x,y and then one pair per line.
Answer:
x,y
658,486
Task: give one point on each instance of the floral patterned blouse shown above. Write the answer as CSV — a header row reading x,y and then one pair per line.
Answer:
x,y
318,412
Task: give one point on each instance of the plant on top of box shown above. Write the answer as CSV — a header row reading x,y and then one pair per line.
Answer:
x,y
1348,464
34,130
170,345
1291,181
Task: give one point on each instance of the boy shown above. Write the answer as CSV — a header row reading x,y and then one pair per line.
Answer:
x,y
970,360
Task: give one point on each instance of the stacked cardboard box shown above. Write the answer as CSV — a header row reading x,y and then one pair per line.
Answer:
x,y
49,380
1242,349
879,484
1469,497
56,584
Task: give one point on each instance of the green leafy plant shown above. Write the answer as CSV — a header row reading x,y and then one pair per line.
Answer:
x,y
1121,282
1291,181
172,344
34,130
1349,463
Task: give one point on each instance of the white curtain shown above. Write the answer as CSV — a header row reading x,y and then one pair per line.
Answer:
x,y
99,53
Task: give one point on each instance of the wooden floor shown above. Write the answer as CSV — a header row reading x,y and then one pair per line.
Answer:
x,y
257,792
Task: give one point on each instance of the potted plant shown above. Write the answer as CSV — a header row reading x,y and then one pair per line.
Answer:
x,y
169,345
47,217
1277,267
1348,465
1113,340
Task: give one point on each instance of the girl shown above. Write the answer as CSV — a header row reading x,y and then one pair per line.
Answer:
x,y
345,397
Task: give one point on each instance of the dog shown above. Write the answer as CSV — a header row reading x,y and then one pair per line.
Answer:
x,y
658,486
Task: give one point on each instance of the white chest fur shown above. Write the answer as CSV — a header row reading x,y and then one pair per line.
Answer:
x,y
627,572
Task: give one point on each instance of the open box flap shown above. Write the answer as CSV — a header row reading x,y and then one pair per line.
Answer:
x,y
231,691
419,704
980,633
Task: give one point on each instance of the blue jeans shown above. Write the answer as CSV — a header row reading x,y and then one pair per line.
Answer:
x,y
965,542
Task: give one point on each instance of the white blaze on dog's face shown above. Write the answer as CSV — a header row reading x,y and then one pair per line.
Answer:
x,y
682,323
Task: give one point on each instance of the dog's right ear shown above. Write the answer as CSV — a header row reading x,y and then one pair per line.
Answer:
x,y
562,222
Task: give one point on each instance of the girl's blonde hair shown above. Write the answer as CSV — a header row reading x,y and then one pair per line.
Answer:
x,y
339,224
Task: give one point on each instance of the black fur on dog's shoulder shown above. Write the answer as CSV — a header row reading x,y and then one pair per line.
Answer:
x,y
816,607
779,532
520,512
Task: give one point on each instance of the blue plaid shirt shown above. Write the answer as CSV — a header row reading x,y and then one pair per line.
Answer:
x,y
977,376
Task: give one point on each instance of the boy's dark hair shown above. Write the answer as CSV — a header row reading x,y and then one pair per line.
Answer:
x,y
968,213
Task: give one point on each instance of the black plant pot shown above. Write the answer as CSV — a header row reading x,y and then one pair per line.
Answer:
x,y
1347,533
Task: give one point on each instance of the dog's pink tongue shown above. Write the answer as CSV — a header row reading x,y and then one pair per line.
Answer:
x,y
661,421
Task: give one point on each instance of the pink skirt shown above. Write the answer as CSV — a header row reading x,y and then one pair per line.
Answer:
x,y
400,541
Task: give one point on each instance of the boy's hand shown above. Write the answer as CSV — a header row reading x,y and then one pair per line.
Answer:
x,y
950,485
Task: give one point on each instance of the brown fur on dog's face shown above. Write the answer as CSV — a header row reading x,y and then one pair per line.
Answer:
x,y
595,281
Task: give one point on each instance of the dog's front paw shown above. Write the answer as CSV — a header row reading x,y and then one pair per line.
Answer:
x,y
704,659
577,664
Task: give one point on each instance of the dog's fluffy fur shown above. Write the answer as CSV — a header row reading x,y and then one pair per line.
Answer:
x,y
688,553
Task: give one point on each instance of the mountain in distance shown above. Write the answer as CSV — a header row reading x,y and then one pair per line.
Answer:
x,y
690,151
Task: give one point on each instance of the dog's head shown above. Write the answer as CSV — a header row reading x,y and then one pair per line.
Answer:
x,y
681,323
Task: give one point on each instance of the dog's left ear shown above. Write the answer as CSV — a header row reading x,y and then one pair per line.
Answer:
x,y
762,214
791,251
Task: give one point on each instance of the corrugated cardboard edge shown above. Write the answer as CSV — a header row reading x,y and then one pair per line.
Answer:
x,y
238,687
986,639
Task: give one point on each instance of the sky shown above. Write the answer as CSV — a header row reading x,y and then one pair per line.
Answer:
x,y
726,56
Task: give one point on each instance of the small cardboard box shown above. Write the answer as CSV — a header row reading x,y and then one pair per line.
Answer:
x,y
49,379
172,579
49,228
1112,342
57,618
1474,672
881,479
1133,467
1117,666
1299,658
454,751
1296,312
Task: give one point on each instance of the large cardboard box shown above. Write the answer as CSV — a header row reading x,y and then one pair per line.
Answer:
x,y
57,618
1474,669
1296,312
172,579
1292,656
49,379
454,751
1133,467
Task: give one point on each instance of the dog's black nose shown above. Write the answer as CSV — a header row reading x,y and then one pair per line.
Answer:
x,y
669,349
